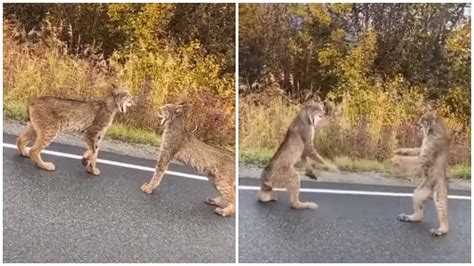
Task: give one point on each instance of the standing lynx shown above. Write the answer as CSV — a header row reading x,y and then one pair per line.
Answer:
x,y
50,116
296,148
179,144
432,160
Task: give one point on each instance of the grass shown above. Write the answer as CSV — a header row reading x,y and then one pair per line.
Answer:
x,y
14,110
255,156
347,164
17,111
123,133
461,171
262,157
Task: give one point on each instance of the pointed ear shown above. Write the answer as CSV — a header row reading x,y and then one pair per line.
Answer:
x,y
113,90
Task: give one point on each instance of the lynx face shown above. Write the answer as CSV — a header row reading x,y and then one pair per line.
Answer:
x,y
170,112
427,122
315,112
122,99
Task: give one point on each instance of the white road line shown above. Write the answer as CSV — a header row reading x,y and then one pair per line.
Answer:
x,y
198,177
354,192
126,165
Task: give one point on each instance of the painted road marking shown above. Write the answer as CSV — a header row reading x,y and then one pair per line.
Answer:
x,y
198,177
354,192
126,165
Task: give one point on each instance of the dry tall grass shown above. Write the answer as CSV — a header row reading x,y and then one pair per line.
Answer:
x,y
44,66
369,125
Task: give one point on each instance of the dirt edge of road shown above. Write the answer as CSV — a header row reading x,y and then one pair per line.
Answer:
x,y
149,152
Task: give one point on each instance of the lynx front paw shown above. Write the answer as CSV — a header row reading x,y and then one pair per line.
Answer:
x,y
222,212
311,205
403,218
48,166
437,232
210,201
25,152
93,171
146,188
406,218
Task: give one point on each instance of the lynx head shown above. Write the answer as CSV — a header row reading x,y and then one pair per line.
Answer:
x,y
121,98
314,112
430,123
170,112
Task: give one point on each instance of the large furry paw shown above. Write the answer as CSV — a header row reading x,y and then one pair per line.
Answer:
x,y
146,188
305,205
25,152
94,171
311,175
266,196
48,166
214,202
437,232
405,218
311,205
222,212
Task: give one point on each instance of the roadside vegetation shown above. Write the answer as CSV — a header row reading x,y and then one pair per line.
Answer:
x,y
159,52
384,65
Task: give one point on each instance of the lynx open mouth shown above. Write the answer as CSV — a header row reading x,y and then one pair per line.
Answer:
x,y
163,118
123,109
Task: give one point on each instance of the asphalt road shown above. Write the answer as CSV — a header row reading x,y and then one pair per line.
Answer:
x,y
348,228
70,216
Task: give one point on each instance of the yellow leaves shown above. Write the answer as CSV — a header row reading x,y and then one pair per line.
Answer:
x,y
327,56
341,8
175,72
320,13
338,35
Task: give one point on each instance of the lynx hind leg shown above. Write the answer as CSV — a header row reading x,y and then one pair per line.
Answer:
x,y
420,195
227,190
441,203
86,157
293,189
266,192
43,139
266,196
89,160
28,135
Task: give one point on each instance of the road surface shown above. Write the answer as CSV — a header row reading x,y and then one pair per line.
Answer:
x,y
348,228
70,216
